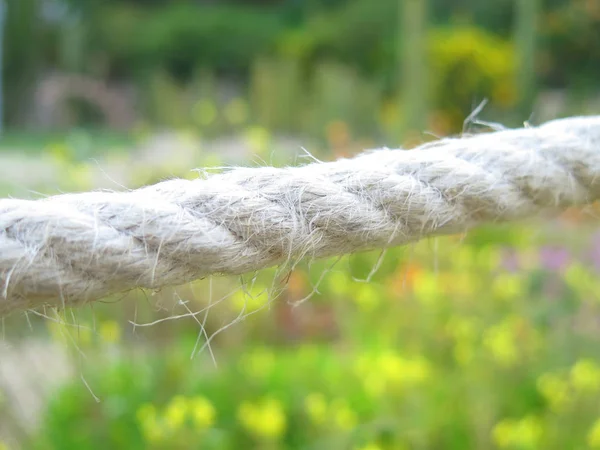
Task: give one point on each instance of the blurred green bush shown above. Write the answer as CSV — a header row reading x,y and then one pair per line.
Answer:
x,y
182,37
571,51
278,57
467,64
492,345
356,34
135,41
178,36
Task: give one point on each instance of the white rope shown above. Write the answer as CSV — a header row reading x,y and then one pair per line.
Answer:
x,y
70,249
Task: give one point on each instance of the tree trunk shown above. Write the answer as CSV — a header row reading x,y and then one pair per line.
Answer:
x,y
527,13
413,65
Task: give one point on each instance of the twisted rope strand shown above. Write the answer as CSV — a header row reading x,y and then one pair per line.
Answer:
x,y
75,248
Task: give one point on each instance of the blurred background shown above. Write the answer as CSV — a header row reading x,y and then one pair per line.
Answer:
x,y
484,341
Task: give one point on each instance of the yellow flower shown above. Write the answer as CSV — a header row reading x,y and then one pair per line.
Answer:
x,y
176,412
339,284
149,425
392,366
146,412
524,433
500,341
202,411
252,300
555,390
60,151
585,376
343,416
426,288
507,286
593,437
390,370
480,57
366,297
273,423
110,331
316,407
265,420
370,446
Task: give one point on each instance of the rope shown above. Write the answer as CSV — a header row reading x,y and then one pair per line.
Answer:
x,y
71,249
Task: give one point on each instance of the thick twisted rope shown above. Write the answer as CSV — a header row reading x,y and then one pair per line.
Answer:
x,y
70,249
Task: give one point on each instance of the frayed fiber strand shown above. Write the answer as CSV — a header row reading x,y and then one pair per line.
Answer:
x,y
71,249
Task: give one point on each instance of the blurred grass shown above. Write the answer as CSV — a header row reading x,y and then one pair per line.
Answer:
x,y
488,340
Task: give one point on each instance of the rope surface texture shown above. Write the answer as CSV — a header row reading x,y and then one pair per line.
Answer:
x,y
70,249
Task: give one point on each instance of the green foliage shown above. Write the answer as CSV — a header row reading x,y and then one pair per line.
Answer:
x,y
487,341
495,16
490,346
469,65
356,33
184,37
570,34
22,55
152,45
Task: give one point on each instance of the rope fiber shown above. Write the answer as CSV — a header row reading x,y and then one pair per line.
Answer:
x,y
71,249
